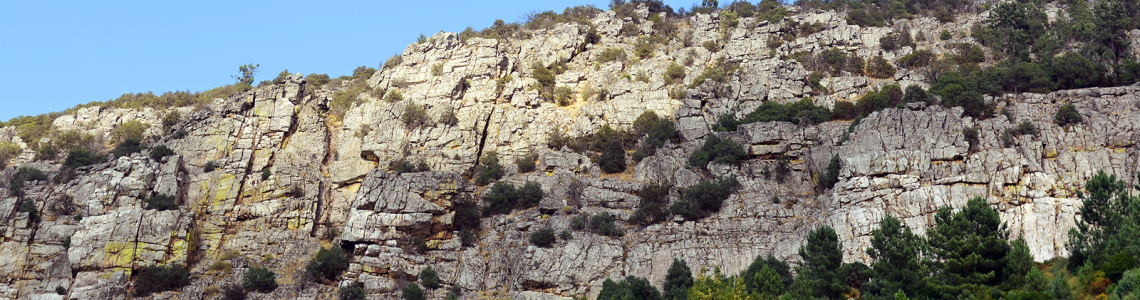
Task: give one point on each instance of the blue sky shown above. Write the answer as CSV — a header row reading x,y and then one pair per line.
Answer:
x,y
57,54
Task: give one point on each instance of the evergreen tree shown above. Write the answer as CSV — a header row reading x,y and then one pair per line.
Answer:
x,y
777,266
970,245
1107,223
1019,263
899,260
768,283
678,280
821,260
630,288
832,176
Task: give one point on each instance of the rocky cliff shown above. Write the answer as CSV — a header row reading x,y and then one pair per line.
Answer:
x,y
329,182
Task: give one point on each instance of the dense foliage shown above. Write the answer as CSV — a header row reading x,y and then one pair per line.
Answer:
x,y
259,279
717,150
155,279
327,264
504,196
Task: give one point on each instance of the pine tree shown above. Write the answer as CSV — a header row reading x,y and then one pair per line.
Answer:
x,y
970,245
768,283
1106,210
821,259
678,280
781,269
630,288
899,260
1019,263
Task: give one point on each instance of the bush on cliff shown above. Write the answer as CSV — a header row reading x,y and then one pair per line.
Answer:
x,y
327,263
156,279
717,150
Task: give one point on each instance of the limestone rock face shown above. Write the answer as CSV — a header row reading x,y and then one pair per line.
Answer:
x,y
268,176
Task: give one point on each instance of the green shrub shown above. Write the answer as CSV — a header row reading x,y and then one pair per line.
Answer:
x,y
603,224
327,263
629,29
60,290
711,45
653,205
413,292
316,81
565,235
209,167
717,150
7,152
437,69
170,119
915,94
641,76
831,177
466,215
917,59
631,287
945,35
29,206
160,151
81,157
448,118
394,95
970,134
1067,114
24,174
489,169
529,195
726,122
393,61
354,291
527,163
467,237
719,72
803,110
133,129
674,73
564,96
156,279
161,202
259,279
126,147
643,48
544,76
612,159
1117,264
610,143
500,200
866,18
265,173
657,133
844,110
543,238
611,54
878,67
705,198
402,166
1024,128
428,278
578,223
415,116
